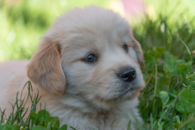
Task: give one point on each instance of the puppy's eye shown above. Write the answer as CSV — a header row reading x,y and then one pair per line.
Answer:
x,y
125,47
90,58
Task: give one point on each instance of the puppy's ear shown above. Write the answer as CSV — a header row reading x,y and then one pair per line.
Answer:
x,y
45,70
139,53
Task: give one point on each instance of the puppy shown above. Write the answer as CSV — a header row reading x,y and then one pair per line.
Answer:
x,y
87,69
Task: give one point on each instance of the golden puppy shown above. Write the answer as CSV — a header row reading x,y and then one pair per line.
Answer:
x,y
87,69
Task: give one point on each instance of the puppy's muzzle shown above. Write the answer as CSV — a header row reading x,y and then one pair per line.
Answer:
x,y
127,74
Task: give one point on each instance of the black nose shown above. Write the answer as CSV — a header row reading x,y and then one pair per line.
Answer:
x,y
127,75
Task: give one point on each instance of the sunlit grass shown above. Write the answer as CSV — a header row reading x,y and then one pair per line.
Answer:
x,y
24,22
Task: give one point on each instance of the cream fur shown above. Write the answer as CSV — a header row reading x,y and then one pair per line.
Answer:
x,y
84,96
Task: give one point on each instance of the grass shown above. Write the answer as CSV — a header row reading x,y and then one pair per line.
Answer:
x,y
168,101
167,39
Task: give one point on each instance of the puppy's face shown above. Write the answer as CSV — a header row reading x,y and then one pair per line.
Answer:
x,y
94,57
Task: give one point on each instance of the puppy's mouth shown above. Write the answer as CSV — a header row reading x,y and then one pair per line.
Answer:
x,y
129,91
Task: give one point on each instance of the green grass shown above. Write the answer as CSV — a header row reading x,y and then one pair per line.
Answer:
x,y
167,39
34,121
168,101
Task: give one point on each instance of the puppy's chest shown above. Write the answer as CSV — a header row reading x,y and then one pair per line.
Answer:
x,y
110,121
103,121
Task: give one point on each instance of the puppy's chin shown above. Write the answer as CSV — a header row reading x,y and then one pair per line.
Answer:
x,y
107,104
129,92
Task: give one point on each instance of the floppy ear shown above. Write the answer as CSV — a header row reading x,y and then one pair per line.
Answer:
x,y
139,53
45,70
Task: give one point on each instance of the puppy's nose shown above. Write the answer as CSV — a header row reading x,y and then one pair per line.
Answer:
x,y
127,75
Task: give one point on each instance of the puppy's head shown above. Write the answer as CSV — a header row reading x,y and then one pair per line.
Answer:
x,y
90,53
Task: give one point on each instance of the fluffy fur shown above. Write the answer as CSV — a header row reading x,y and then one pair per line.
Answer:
x,y
83,95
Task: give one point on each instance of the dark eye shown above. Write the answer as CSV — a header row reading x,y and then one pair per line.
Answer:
x,y
90,58
125,47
